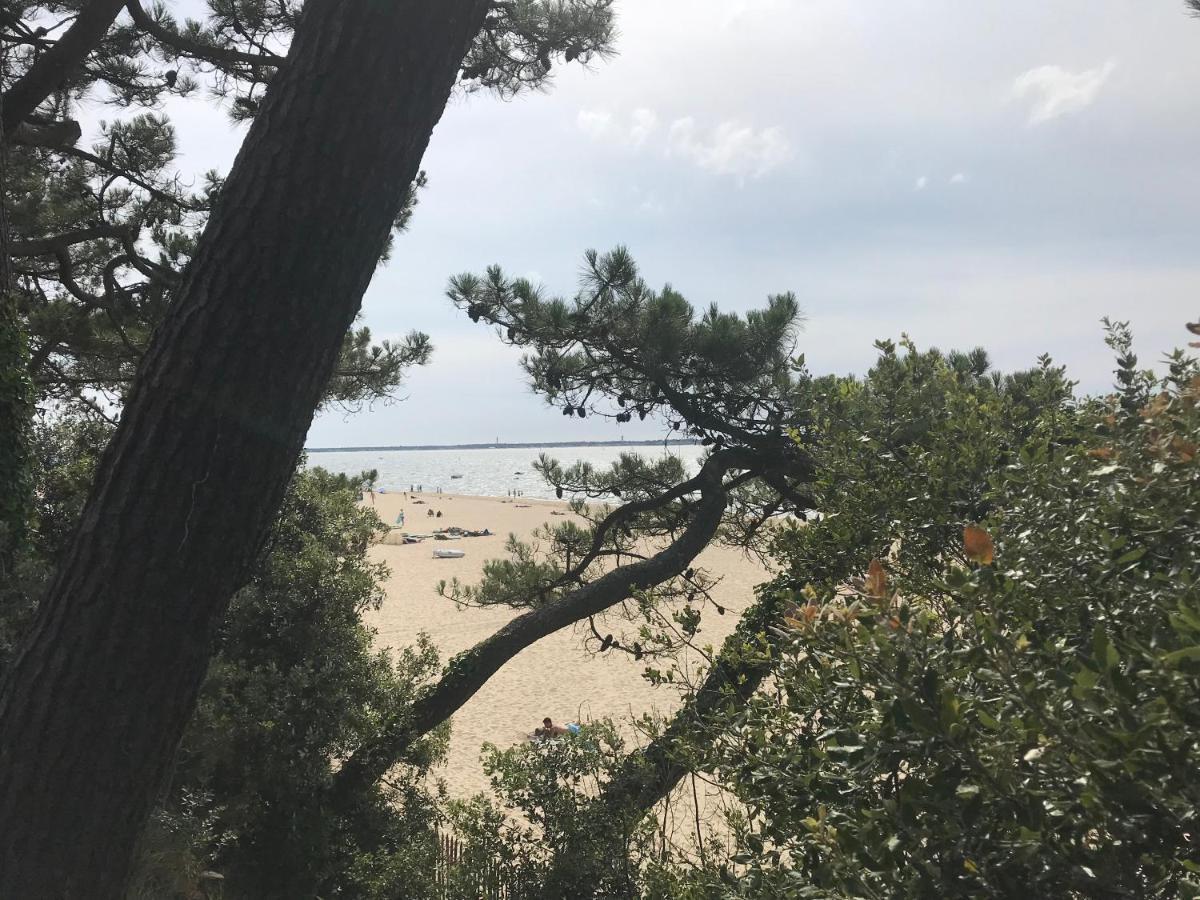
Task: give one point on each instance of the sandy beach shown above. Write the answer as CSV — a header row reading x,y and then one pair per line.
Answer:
x,y
555,677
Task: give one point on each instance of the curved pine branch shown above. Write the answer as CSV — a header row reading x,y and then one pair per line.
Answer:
x,y
60,242
470,671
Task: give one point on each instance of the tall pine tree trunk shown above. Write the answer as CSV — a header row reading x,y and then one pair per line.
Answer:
x,y
16,388
93,707
16,410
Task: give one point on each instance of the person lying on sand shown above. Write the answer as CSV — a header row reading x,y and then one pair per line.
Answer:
x,y
550,730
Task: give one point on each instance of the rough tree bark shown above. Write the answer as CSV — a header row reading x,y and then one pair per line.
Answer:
x,y
16,390
93,707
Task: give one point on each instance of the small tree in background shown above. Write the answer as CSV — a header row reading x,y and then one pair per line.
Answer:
x,y
548,785
620,349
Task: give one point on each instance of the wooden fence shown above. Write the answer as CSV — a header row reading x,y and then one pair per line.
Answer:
x,y
490,884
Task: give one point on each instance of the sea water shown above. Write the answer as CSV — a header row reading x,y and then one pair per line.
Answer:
x,y
483,472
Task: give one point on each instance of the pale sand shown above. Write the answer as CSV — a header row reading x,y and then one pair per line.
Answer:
x,y
555,677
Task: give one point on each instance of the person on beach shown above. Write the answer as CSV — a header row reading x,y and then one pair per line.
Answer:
x,y
550,730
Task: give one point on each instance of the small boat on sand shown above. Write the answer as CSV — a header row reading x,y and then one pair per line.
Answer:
x,y
448,554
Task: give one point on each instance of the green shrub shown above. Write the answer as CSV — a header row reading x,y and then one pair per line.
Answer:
x,y
1010,705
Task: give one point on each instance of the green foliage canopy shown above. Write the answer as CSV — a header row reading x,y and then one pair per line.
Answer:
x,y
965,727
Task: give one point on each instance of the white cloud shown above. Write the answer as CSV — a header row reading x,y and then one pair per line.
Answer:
x,y
1058,92
594,123
601,125
958,178
731,148
922,183
738,9
645,122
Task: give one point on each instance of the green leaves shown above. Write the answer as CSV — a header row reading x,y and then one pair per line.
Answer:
x,y
1027,725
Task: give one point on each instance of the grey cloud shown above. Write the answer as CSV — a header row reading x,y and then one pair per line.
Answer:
x,y
1091,211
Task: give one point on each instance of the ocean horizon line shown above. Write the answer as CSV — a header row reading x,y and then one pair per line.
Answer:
x,y
524,445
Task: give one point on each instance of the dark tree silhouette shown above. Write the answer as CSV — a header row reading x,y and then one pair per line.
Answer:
x,y
94,704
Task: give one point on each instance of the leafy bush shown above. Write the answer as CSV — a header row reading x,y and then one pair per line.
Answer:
x,y
1005,701
295,684
540,828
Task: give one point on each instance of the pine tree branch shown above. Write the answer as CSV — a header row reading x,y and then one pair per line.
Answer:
x,y
51,135
468,672
156,193
729,459
49,245
220,56
57,64
149,268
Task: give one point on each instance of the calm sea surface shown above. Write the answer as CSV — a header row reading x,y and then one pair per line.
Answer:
x,y
485,473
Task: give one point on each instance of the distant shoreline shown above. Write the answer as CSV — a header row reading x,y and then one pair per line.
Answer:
x,y
524,446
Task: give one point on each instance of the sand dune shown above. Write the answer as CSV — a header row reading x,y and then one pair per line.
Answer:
x,y
555,677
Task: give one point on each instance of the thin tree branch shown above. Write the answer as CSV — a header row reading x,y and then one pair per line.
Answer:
x,y
156,193
648,776
67,277
79,395
221,56
150,269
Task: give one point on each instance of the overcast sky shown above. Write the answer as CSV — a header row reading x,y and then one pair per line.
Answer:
x,y
986,173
